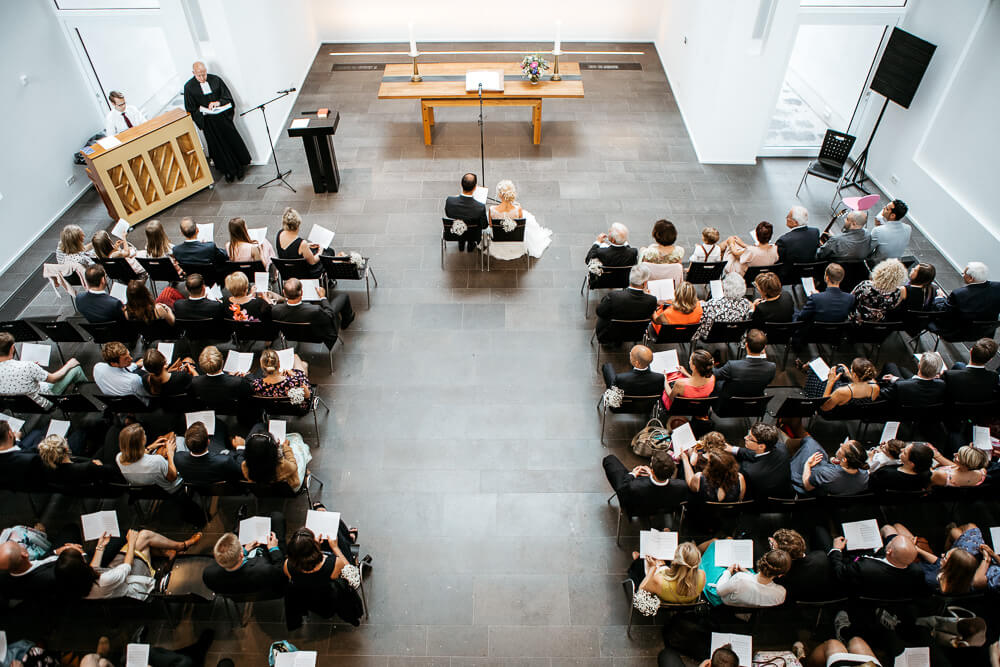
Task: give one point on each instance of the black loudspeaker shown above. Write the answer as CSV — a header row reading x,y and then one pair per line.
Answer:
x,y
902,67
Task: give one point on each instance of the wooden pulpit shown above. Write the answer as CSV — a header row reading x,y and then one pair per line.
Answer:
x,y
157,164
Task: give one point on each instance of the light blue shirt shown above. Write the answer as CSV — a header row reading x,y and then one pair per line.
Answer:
x,y
892,238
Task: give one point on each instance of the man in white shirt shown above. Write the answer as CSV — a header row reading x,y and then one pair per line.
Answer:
x,y
122,116
118,375
890,233
27,378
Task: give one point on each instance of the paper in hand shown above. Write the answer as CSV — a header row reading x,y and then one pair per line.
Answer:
x,y
286,359
716,287
98,523
664,362
137,655
658,544
295,659
206,417
238,362
277,428
37,353
981,438
323,524
819,367
995,537
310,290
261,281
258,234
206,232
742,646
862,535
121,228
682,438
753,235
728,552
919,656
58,427
15,423
481,194
809,286
118,291
255,529
167,350
214,293
663,289
321,236
889,432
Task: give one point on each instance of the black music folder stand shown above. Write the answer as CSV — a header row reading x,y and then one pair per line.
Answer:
x,y
318,142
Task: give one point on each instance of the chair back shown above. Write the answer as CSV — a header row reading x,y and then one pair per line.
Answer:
x,y
107,332
299,332
675,333
799,270
178,405
21,330
637,405
781,333
835,149
293,268
754,271
246,268
874,333
701,273
830,333
799,406
855,272
975,411
920,413
208,272
727,332
917,321
118,268
69,403
515,235
283,407
59,331
448,235
123,404
157,330
745,406
669,271
205,330
184,582
22,404
160,268
271,490
342,268
625,331
972,331
250,332
611,277
692,407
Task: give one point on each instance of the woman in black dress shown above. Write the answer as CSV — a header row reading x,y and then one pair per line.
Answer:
x,y
289,245
161,380
774,304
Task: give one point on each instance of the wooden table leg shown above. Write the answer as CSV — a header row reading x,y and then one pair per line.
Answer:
x,y
427,114
536,121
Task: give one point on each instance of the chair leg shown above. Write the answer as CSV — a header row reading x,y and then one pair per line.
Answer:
x,y
368,291
801,182
583,285
618,534
604,419
442,254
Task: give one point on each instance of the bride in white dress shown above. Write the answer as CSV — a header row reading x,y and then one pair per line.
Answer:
x,y
536,237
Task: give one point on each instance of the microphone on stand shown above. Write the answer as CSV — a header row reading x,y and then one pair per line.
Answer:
x,y
288,90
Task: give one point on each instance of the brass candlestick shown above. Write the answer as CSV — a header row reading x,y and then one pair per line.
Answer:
x,y
416,73
555,67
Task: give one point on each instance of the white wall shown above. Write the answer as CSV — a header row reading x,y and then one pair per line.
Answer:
x,y
46,121
461,21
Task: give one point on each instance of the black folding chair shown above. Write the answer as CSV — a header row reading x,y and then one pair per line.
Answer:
x,y
71,403
747,407
975,412
342,268
691,407
855,273
782,333
246,268
498,235
206,330
630,405
448,236
119,268
123,405
107,332
22,331
22,405
242,616
59,331
158,330
754,271
833,334
283,407
799,270
702,273
161,269
254,332
969,332
611,277
829,165
799,407
208,272
727,332
874,334
302,332
281,489
620,331
668,608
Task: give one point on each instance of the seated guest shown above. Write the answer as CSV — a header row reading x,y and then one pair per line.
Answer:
x,y
976,301
685,308
268,462
61,467
845,387
732,306
854,244
798,245
161,380
194,251
721,481
740,256
919,293
128,573
774,304
96,304
724,656
327,316
881,293
764,462
107,248
699,383
468,209
141,468
738,587
19,462
891,234
973,382
117,374
612,248
637,381
28,572
26,378
157,243
215,385
249,569
708,250
949,574
885,455
658,255
836,653
245,305
830,305
199,465
970,538
810,575
814,473
72,247
631,303
291,383
890,572
749,376
967,469
140,307
679,582
924,389
646,490
241,248
912,474
289,245
197,306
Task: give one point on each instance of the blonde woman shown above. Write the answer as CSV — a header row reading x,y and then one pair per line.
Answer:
x,y
968,468
536,237
685,308
72,247
882,292
679,582
289,245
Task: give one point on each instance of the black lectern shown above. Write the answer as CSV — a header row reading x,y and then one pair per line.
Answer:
x,y
318,142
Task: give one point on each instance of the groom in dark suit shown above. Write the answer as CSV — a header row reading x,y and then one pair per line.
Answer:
x,y
464,207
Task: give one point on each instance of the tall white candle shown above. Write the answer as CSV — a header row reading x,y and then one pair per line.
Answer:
x,y
413,42
558,35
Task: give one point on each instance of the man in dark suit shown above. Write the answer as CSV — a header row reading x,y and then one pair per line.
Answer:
x,y
199,465
811,576
920,390
639,380
612,249
764,462
830,305
646,490
977,301
973,382
247,569
631,303
748,376
195,251
96,304
215,385
798,245
854,244
19,462
889,573
327,316
197,306
465,207
24,579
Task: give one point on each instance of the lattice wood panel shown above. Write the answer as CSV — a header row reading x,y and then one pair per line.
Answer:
x,y
187,145
167,166
147,188
124,189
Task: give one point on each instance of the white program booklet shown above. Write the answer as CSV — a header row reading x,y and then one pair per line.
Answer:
x,y
214,293
658,544
492,81
121,228
98,523
862,535
167,350
238,362
819,367
919,656
58,427
321,236
278,428
981,438
255,529
889,431
258,234
261,281
716,287
310,290
663,290
40,354
809,286
995,537
217,110
664,362
118,291
481,194
137,655
742,646
295,659
728,552
3,646
323,524
206,232
286,359
206,417
682,438
300,123
15,423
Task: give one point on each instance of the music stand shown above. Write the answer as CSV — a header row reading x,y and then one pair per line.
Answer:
x,y
279,175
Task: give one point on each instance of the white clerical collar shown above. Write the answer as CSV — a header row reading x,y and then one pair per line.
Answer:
x,y
206,88
214,375
197,455
657,482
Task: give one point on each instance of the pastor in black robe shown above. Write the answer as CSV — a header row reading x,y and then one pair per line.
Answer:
x,y
225,145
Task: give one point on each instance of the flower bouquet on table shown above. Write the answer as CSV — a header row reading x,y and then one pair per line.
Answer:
x,y
532,67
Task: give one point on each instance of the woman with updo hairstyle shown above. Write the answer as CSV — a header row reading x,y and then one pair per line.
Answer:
x,y
967,469
847,388
679,581
740,255
698,383
738,587
61,467
289,245
290,383
536,237
244,304
266,461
